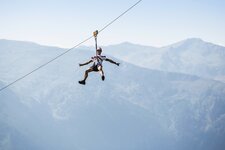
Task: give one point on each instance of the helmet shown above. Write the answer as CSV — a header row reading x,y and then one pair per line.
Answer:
x,y
99,49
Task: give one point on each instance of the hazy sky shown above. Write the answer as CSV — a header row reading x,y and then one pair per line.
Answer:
x,y
153,22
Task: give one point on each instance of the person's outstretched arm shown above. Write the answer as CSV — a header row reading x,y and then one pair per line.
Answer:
x,y
86,63
111,61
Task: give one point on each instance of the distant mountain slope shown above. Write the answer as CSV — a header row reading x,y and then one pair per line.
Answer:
x,y
13,117
191,56
134,108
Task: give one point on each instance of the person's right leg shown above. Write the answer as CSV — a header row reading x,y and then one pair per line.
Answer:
x,y
86,75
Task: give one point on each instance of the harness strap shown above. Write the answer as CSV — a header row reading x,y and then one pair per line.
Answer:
x,y
95,34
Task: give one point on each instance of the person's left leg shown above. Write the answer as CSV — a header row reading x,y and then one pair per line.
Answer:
x,y
100,69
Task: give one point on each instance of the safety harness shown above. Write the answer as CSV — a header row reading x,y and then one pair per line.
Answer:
x,y
95,34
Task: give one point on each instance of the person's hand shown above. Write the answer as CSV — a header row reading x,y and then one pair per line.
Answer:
x,y
117,64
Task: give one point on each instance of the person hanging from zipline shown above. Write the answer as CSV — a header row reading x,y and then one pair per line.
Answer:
x,y
97,65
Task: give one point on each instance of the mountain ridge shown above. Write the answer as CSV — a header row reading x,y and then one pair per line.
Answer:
x,y
134,108
191,56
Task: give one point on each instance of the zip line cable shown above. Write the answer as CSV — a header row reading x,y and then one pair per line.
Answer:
x,y
41,66
87,39
119,16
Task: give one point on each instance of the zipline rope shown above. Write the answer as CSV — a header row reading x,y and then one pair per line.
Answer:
x,y
43,65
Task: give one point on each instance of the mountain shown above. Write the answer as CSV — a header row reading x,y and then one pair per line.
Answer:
x,y
192,56
134,108
14,119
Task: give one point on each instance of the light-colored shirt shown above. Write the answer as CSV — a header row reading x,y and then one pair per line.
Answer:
x,y
98,59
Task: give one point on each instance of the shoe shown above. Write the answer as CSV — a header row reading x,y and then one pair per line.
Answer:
x,y
82,82
103,78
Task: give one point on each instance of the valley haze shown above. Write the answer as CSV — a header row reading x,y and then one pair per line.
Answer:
x,y
164,98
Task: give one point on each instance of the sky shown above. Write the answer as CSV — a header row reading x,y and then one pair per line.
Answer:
x,y
65,23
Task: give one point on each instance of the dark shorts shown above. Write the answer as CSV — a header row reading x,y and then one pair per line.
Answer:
x,y
95,67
